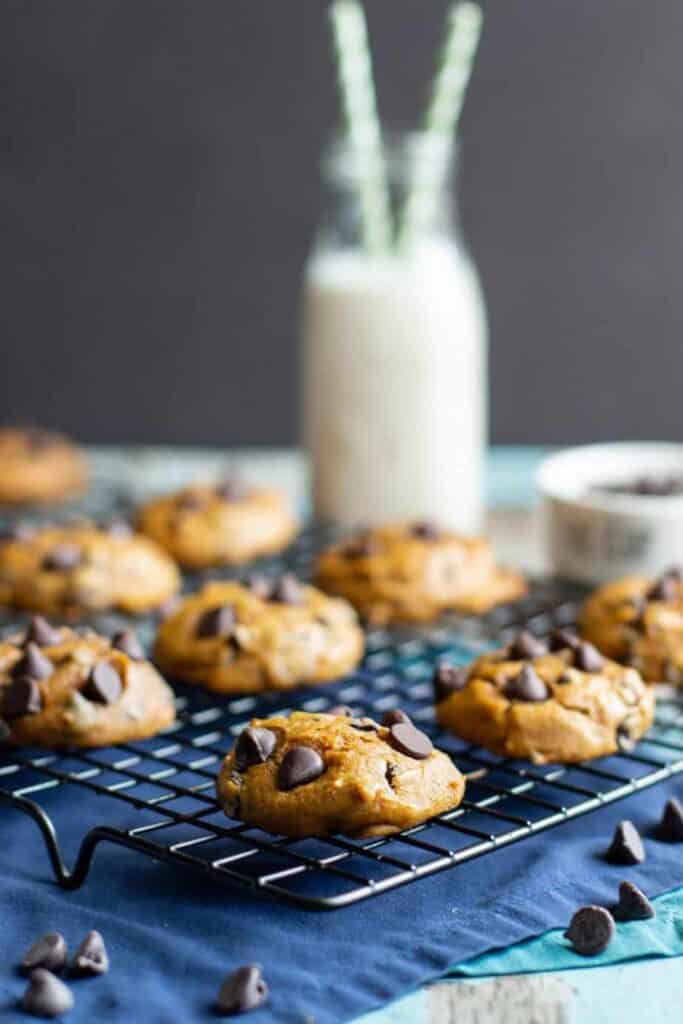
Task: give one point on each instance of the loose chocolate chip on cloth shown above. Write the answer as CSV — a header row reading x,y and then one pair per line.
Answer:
x,y
46,995
626,846
91,958
49,952
591,930
242,991
670,827
633,904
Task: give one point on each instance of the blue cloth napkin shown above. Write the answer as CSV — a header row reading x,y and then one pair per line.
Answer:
x,y
172,935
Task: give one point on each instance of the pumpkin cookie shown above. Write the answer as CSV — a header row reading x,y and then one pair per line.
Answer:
x,y
560,701
413,572
639,622
224,524
317,775
237,638
38,467
79,568
60,689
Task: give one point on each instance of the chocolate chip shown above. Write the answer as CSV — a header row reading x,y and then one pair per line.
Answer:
x,y
46,995
394,716
410,741
169,607
33,664
526,645
670,827
341,710
91,957
190,501
299,766
260,586
633,904
40,632
22,697
16,532
588,658
448,679
527,686
231,489
361,546
118,528
254,746
216,621
560,639
591,930
243,990
103,685
666,588
129,644
287,590
63,558
625,741
425,530
626,846
49,952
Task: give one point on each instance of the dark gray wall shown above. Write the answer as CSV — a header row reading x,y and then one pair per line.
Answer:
x,y
159,187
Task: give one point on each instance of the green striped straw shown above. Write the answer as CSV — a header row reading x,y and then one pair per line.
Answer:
x,y
432,156
357,91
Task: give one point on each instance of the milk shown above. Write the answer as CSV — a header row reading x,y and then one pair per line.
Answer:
x,y
394,385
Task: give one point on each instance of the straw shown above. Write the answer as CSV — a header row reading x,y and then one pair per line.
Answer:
x,y
362,125
431,159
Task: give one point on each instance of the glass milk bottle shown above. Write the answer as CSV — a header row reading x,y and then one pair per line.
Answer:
x,y
393,362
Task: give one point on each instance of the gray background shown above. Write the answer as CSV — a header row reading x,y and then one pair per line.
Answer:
x,y
159,189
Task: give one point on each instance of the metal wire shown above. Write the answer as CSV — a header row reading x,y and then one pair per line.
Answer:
x,y
157,796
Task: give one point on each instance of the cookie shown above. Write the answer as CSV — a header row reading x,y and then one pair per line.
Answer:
x,y
317,775
74,569
38,467
224,524
79,690
563,702
639,622
240,638
413,572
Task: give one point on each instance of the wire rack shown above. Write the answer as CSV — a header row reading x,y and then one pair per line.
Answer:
x,y
157,796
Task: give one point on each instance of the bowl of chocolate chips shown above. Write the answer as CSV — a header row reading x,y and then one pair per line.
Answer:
x,y
613,509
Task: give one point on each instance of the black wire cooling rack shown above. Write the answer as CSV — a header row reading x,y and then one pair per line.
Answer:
x,y
164,787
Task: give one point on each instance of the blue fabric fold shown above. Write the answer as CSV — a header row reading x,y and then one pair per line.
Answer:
x,y
173,935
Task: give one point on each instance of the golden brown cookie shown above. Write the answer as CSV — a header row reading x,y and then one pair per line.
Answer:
x,y
413,572
59,689
38,467
74,569
237,638
639,622
560,702
224,524
317,775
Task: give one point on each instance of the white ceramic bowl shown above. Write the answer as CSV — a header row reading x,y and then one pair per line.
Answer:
x,y
593,536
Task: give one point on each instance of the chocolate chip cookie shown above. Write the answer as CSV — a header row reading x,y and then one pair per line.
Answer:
x,y
74,569
237,638
37,466
223,524
639,622
557,701
316,775
413,572
62,689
